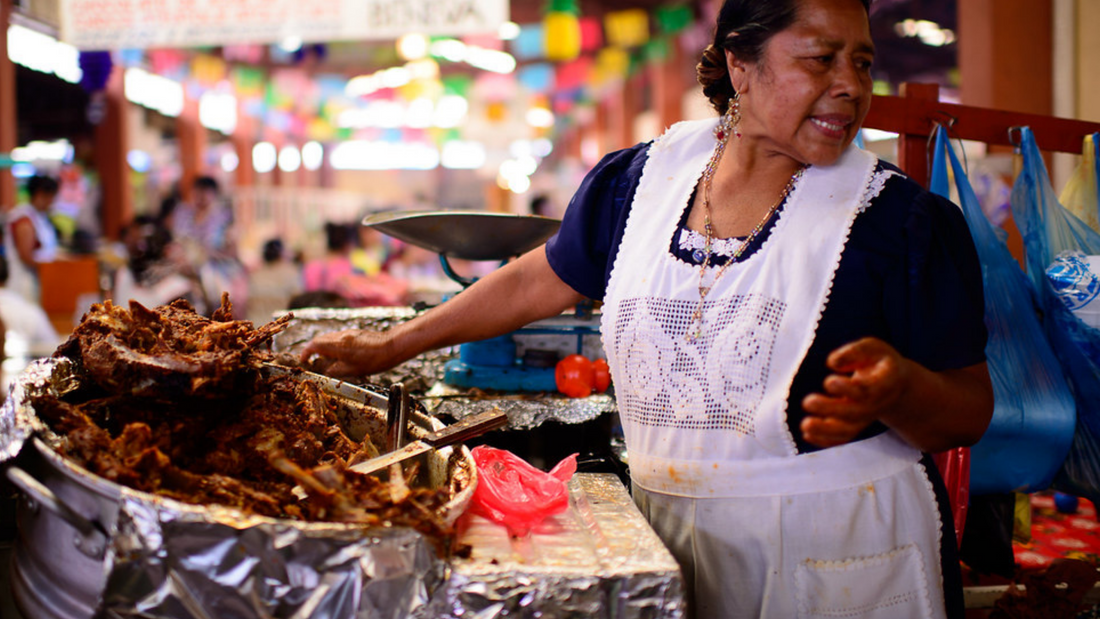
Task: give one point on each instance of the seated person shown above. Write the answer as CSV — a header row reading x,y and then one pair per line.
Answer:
x,y
272,284
149,277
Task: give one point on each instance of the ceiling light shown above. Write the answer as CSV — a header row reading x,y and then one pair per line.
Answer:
x,y
508,31
312,155
263,157
290,159
412,46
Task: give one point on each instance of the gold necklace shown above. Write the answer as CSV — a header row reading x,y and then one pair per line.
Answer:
x,y
722,134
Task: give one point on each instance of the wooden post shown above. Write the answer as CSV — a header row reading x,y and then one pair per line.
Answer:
x,y
111,144
913,147
668,86
192,144
8,125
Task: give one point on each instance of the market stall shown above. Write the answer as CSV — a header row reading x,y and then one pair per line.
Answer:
x,y
179,515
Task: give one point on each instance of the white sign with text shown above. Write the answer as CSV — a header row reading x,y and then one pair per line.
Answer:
x,y
120,24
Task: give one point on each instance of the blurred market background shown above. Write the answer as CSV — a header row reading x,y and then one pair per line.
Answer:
x,y
310,113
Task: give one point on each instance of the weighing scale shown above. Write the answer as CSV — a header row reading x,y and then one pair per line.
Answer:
x,y
523,360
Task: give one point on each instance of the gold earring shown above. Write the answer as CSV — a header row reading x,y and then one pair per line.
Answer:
x,y
727,124
734,114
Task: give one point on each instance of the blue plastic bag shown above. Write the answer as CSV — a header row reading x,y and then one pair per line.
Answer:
x,y
1051,233
1034,414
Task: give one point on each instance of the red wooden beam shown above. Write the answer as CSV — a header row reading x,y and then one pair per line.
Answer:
x,y
914,115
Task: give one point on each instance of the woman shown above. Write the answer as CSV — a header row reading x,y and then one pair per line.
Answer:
x,y
206,243
273,284
29,237
792,326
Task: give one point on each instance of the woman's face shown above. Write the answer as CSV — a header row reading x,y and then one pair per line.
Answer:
x,y
43,200
808,94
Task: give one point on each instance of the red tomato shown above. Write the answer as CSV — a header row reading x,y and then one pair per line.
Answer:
x,y
601,374
574,376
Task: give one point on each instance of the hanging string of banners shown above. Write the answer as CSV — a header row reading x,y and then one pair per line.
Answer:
x,y
122,24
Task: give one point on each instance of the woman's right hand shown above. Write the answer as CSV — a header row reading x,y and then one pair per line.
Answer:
x,y
354,352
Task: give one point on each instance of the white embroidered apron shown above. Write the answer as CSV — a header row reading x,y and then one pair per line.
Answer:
x,y
759,531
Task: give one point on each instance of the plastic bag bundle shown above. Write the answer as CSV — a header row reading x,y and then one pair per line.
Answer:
x,y
1034,412
1082,191
1058,243
513,493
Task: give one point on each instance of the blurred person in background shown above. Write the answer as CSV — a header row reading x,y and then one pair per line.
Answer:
x,y
324,299
540,205
203,229
148,275
30,239
326,272
272,284
335,272
26,330
370,255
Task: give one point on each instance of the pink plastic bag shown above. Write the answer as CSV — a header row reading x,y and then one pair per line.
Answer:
x,y
954,466
513,493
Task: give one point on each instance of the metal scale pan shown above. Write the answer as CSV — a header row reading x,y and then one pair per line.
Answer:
x,y
466,235
473,235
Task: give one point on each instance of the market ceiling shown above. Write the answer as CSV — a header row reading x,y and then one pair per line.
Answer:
x,y
900,57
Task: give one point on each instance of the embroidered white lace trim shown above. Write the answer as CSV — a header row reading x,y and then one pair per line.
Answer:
x,y
690,240
874,188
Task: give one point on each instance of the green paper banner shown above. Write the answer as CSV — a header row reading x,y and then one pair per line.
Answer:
x,y
672,18
562,6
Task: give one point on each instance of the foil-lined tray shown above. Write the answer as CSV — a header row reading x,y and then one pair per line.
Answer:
x,y
598,559
169,560
423,375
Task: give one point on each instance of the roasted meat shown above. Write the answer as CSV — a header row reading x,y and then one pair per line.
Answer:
x,y
177,404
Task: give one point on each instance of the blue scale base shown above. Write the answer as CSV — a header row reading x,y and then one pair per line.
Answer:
x,y
500,378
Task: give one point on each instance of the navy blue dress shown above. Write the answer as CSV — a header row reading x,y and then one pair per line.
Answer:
x,y
908,275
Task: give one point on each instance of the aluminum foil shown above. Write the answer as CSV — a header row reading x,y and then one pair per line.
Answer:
x,y
191,563
17,420
169,560
525,411
598,559
423,375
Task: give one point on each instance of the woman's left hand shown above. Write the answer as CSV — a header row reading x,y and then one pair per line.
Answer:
x,y
870,377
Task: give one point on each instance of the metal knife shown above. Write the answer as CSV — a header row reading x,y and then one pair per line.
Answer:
x,y
465,429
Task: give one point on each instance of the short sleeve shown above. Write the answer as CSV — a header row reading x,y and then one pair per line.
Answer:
x,y
909,275
944,302
582,252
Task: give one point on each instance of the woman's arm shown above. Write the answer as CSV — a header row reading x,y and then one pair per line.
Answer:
x,y
933,411
519,293
25,240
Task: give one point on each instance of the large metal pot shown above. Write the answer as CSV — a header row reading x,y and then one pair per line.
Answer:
x,y
68,517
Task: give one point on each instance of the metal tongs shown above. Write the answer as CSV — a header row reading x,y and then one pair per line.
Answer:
x,y
397,425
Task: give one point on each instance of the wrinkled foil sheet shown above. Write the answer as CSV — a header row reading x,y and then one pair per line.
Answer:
x,y
525,411
423,375
599,559
18,421
190,563
170,560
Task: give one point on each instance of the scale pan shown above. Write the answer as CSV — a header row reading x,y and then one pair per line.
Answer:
x,y
466,235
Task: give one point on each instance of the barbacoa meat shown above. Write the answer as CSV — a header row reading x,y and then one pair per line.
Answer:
x,y
176,404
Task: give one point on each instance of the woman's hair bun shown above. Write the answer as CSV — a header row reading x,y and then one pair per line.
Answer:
x,y
713,74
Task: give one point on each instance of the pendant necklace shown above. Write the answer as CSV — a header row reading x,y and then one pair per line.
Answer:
x,y
722,135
